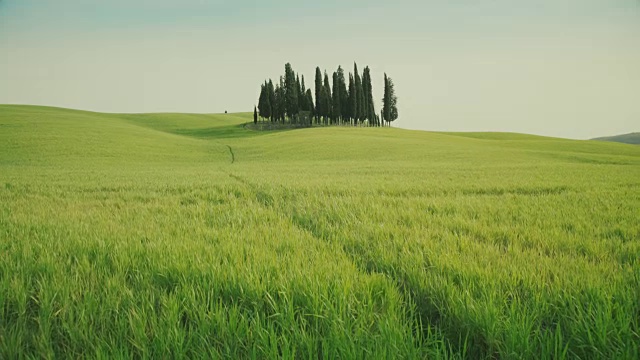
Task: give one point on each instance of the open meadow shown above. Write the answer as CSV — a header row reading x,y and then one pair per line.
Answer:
x,y
190,236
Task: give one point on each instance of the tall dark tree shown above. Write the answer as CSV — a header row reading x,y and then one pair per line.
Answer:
x,y
265,102
344,96
359,113
353,100
394,101
365,98
255,115
389,101
271,96
281,101
336,107
324,105
386,101
327,98
302,96
268,98
291,91
369,109
302,100
277,100
318,94
310,105
262,100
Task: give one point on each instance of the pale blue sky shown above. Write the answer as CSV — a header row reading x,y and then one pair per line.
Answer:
x,y
566,68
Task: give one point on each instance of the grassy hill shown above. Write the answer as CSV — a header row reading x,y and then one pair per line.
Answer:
x,y
186,235
632,138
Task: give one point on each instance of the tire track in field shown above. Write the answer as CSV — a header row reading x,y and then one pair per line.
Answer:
x,y
427,315
233,156
425,311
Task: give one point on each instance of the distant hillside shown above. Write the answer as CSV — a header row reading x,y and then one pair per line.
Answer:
x,y
632,138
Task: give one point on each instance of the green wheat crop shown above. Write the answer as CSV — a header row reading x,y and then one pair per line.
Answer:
x,y
189,236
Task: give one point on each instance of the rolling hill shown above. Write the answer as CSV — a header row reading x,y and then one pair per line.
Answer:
x,y
188,235
631,138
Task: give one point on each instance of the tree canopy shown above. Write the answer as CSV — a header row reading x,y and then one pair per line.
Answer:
x,y
389,101
338,100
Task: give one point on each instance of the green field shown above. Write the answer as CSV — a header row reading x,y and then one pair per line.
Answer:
x,y
177,235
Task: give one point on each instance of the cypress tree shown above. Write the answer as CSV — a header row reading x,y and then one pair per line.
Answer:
x,y
281,101
291,91
353,100
321,104
282,105
267,106
394,102
318,94
255,115
261,100
359,111
335,99
277,93
276,102
271,97
389,101
302,100
365,97
327,98
344,96
360,94
370,111
298,86
304,104
310,105
356,109
385,100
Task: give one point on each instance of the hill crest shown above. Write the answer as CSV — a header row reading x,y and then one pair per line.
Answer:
x,y
630,138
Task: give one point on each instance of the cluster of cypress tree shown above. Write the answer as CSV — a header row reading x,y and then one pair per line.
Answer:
x,y
289,100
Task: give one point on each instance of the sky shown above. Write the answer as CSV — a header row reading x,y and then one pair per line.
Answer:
x,y
564,68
